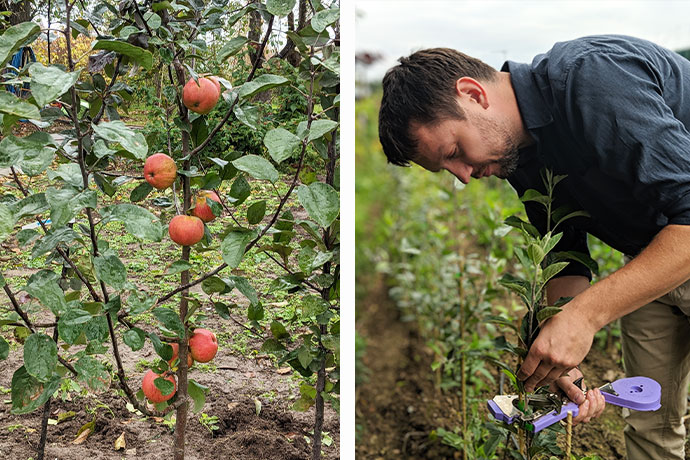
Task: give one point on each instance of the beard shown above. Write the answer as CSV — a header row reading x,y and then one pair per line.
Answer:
x,y
507,151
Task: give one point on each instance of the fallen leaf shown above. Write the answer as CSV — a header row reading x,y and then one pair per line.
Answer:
x,y
232,405
82,436
120,442
284,370
158,419
257,405
63,416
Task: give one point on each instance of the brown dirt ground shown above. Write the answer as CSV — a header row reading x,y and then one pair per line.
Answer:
x,y
276,433
400,404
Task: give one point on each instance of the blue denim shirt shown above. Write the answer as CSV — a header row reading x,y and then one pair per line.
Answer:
x,y
613,113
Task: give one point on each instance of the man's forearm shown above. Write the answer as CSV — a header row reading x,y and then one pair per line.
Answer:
x,y
659,268
565,286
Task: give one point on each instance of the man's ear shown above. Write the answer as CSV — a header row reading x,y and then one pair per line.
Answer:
x,y
471,89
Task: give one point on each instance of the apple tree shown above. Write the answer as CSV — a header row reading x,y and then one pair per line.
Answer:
x,y
85,291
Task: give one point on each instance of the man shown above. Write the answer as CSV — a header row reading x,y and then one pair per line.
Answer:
x,y
613,114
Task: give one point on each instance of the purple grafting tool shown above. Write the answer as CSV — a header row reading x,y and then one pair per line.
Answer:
x,y
637,393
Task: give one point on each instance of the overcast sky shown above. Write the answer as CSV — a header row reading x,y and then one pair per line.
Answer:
x,y
494,31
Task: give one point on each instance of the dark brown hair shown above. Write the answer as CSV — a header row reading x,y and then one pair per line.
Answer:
x,y
421,90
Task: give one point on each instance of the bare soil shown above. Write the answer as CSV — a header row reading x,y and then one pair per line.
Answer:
x,y
235,386
399,406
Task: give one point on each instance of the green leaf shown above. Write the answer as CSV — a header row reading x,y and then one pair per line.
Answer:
x,y
534,195
303,404
177,267
281,143
233,245
313,306
280,7
139,302
134,338
198,394
30,153
117,131
138,221
139,55
4,348
319,128
561,214
28,394
256,212
549,241
580,257
304,356
514,284
324,18
40,356
43,286
12,105
249,115
262,83
48,83
92,372
71,325
15,37
536,253
213,285
7,222
255,312
170,320
165,386
245,288
222,309
65,203
321,202
240,190
110,269
163,350
97,329
257,167
69,173
516,222
502,321
51,240
140,192
547,312
278,330
231,48
552,270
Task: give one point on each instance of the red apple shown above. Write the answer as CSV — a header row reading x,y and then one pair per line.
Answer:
x,y
203,345
200,97
217,83
186,230
160,171
150,389
202,210
176,349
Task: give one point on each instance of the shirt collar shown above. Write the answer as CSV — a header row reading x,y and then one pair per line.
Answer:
x,y
534,111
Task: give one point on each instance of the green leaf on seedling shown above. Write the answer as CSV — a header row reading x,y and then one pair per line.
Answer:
x,y
71,325
117,131
240,191
552,270
516,222
255,312
280,7
97,329
304,356
48,83
4,348
242,285
281,143
233,246
140,192
138,55
502,321
213,285
321,202
40,356
320,128
162,349
550,241
256,212
139,302
25,388
546,313
170,320
15,37
324,18
165,386
247,114
134,338
222,309
13,106
278,330
534,195
580,257
92,372
69,173
262,83
197,392
66,203
138,221
257,167
514,284
231,48
313,305
110,269
536,253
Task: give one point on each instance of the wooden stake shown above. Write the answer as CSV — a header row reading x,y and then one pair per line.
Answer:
x,y
569,434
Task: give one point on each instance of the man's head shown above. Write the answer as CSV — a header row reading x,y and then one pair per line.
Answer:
x,y
434,113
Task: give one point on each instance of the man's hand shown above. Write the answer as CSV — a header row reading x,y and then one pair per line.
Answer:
x,y
563,342
590,406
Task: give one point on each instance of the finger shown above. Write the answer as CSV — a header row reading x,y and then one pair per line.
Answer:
x,y
601,404
552,376
528,366
583,412
571,390
537,376
593,405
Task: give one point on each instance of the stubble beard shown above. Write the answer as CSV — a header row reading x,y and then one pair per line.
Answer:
x,y
508,153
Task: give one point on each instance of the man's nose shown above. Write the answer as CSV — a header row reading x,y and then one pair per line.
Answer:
x,y
462,171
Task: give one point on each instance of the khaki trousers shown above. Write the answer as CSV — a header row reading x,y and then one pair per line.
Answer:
x,y
656,344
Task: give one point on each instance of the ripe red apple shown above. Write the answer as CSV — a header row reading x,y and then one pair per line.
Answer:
x,y
200,97
186,230
152,392
203,345
202,210
160,171
176,349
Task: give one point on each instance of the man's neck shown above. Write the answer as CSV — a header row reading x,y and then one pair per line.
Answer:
x,y
509,106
